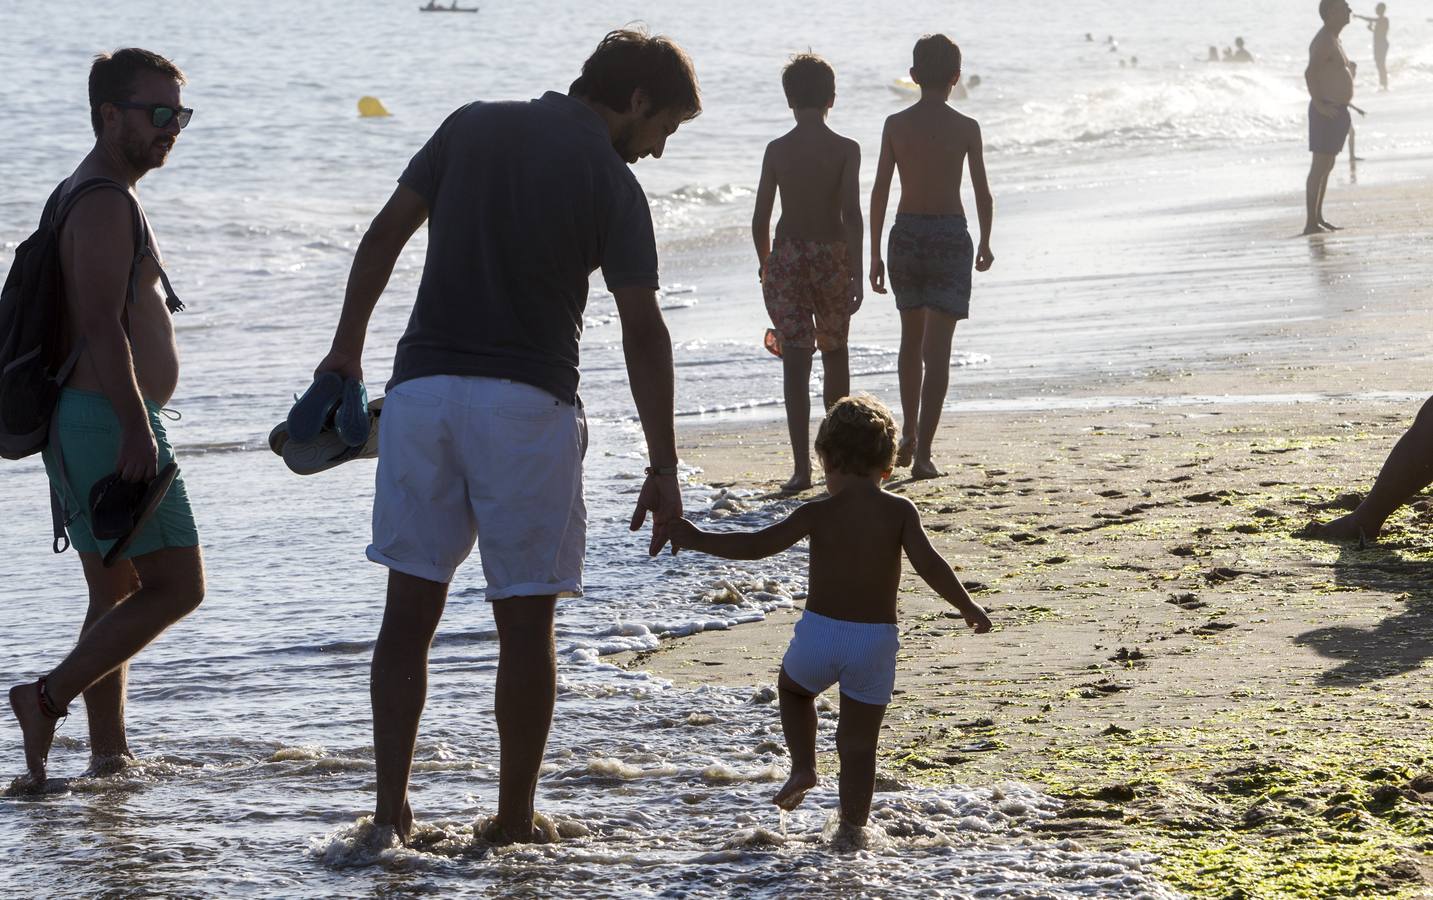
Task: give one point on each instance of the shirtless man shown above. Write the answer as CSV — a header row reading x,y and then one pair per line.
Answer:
x,y
811,277
931,251
1330,86
1378,24
108,413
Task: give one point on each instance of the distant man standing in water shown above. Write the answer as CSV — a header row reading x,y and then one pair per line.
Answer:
x,y
1378,24
107,418
482,430
1330,86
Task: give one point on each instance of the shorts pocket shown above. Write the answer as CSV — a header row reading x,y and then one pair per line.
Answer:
x,y
527,413
416,398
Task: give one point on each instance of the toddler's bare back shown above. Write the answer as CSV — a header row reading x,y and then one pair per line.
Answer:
x,y
856,555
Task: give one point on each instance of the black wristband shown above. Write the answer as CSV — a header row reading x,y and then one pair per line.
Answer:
x,y
661,470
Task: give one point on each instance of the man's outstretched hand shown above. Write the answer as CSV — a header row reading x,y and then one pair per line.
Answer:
x,y
661,496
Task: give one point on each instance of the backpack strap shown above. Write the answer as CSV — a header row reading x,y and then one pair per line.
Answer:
x,y
142,248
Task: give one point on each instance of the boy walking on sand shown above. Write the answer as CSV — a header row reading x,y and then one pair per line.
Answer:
x,y
848,633
811,276
931,251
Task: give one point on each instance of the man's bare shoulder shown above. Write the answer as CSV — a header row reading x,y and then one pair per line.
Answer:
x,y
104,214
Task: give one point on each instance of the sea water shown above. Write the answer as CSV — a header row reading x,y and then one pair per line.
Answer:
x,y
251,717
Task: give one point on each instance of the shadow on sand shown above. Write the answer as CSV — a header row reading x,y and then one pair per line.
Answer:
x,y
1402,642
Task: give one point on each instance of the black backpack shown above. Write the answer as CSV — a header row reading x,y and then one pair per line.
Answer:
x,y
32,333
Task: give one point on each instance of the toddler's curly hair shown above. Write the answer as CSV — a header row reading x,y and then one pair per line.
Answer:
x,y
858,436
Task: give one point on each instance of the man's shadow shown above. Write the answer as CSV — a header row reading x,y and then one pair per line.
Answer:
x,y
1401,643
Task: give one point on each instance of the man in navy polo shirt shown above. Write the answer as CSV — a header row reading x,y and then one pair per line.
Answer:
x,y
483,435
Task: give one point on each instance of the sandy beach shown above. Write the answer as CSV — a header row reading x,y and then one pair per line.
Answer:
x,y
1169,658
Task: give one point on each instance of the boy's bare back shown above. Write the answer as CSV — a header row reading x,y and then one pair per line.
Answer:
x,y
929,142
810,166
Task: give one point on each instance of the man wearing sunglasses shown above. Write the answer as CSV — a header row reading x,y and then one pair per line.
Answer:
x,y
107,419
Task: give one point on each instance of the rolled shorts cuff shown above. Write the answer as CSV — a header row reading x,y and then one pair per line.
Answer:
x,y
569,588
429,571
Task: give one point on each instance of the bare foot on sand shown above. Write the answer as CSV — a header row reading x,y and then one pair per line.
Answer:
x,y
1344,528
542,831
795,788
37,727
1311,229
905,452
1327,227
797,483
925,469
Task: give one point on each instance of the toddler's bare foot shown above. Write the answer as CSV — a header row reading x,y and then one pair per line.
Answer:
x,y
37,727
1327,227
797,483
1312,228
795,788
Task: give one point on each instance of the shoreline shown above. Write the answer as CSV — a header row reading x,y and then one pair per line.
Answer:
x,y
1189,677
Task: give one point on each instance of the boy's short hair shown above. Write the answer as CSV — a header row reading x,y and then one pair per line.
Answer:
x,y
1327,8
112,78
935,60
858,436
809,81
631,58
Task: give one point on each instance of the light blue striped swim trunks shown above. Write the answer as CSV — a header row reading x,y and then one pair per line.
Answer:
x,y
860,656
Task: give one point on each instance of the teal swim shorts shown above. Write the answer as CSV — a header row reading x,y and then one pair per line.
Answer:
x,y
89,440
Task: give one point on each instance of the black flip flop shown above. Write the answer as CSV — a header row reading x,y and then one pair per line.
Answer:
x,y
120,509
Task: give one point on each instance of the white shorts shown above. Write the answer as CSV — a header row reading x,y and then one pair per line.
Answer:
x,y
861,656
464,458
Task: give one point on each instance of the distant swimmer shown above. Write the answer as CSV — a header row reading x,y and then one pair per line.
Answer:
x,y
1379,26
1228,55
1330,86
1089,37
1213,54
1240,54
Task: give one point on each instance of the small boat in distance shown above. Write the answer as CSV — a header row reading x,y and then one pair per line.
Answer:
x,y
451,7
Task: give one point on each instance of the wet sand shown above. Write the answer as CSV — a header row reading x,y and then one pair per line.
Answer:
x,y
1169,657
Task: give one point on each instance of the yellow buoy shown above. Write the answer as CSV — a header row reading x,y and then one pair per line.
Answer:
x,y
370,107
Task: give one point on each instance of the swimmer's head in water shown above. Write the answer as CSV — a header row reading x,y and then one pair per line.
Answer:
x,y
809,82
858,437
935,61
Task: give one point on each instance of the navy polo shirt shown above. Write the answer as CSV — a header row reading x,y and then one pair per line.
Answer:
x,y
525,200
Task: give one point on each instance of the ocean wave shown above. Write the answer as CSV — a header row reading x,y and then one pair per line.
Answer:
x,y
1247,106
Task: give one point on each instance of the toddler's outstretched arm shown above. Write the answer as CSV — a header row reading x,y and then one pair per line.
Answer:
x,y
937,573
742,544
